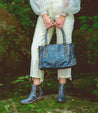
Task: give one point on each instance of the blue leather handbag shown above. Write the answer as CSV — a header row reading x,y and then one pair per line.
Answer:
x,y
56,56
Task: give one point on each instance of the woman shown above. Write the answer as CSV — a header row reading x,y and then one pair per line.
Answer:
x,y
52,13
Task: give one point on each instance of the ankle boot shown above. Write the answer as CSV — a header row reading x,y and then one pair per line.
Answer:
x,y
61,94
35,95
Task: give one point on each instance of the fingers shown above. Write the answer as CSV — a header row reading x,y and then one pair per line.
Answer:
x,y
50,24
60,22
47,21
58,25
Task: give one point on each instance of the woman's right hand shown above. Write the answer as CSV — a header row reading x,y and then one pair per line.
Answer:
x,y
47,21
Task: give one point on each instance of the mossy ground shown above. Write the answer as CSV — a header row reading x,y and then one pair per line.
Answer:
x,y
11,96
48,105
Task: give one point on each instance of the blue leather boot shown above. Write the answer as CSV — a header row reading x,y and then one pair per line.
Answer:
x,y
61,94
35,95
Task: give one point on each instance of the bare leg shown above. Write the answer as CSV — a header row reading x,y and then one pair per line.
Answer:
x,y
62,80
36,81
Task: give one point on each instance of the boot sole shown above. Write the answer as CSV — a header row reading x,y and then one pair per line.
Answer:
x,y
38,99
60,101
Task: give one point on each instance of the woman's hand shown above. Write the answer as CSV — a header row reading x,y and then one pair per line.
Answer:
x,y
47,21
60,21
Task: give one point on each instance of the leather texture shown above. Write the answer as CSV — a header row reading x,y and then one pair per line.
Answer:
x,y
61,94
35,94
56,56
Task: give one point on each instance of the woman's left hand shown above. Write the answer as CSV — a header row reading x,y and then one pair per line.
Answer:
x,y
60,21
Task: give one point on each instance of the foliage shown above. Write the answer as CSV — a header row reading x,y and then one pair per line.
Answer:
x,y
1,84
90,24
95,92
87,84
14,45
20,79
22,11
10,32
12,40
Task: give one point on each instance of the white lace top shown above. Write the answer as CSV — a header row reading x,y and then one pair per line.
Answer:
x,y
70,6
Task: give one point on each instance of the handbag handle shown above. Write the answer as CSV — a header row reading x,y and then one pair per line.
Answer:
x,y
64,39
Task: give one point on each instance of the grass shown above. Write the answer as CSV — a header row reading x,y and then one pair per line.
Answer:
x,y
48,105
12,94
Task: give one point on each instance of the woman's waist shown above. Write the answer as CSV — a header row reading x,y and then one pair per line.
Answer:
x,y
54,6
53,1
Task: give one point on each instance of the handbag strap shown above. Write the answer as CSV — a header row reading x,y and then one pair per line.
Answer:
x,y
64,39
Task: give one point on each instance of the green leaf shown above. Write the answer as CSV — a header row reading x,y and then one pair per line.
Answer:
x,y
12,52
1,84
21,78
95,25
84,27
83,21
90,30
95,92
11,26
95,17
82,17
13,30
26,77
18,60
95,39
90,55
89,62
16,81
1,5
42,83
90,17
48,84
2,49
96,53
27,85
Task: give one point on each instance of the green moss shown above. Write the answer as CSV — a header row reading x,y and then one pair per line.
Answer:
x,y
48,105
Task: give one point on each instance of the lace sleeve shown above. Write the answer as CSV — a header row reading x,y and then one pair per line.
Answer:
x,y
71,7
38,6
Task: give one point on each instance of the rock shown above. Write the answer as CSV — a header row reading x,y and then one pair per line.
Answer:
x,y
7,20
14,45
